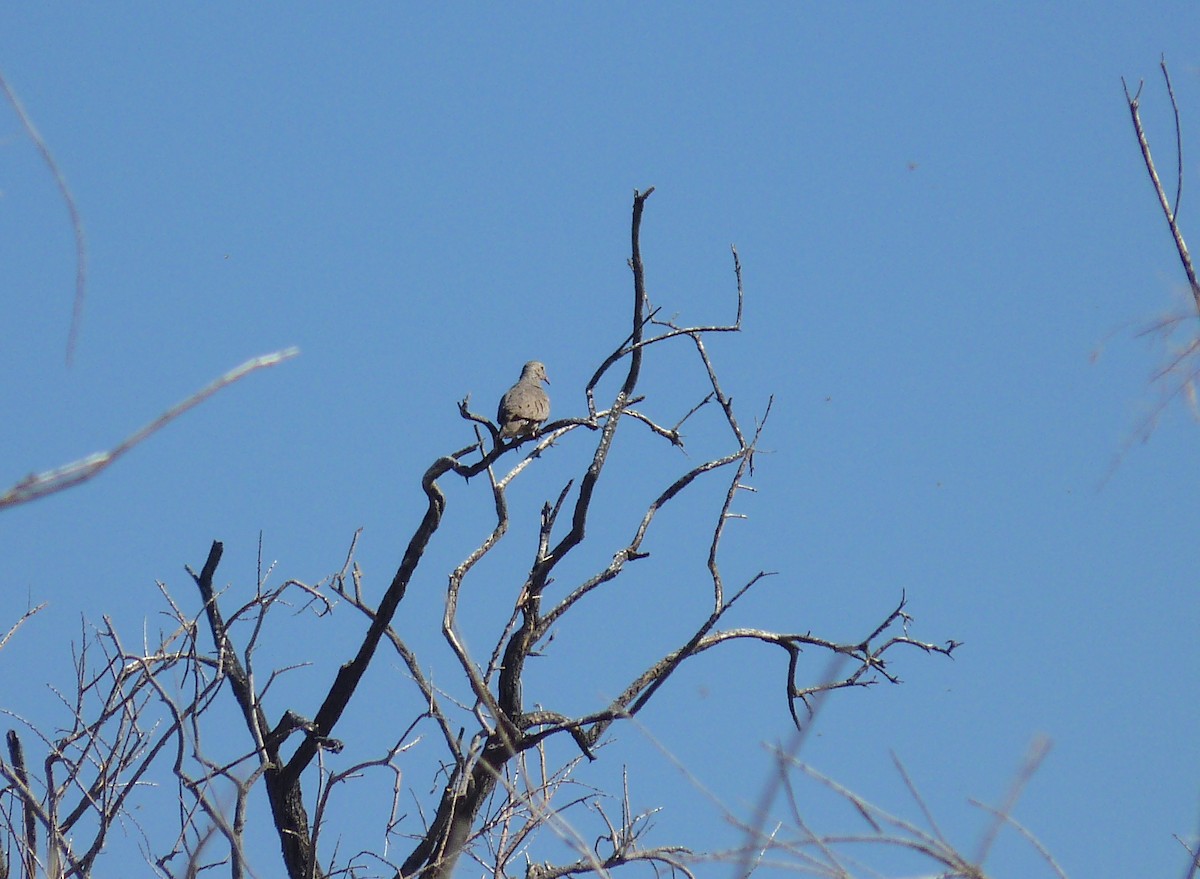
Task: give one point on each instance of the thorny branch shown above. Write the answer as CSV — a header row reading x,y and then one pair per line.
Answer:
x,y
92,769
497,788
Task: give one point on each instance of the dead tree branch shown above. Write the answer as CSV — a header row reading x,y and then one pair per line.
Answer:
x,y
1170,211
38,485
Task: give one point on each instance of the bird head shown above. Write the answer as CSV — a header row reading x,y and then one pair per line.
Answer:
x,y
535,370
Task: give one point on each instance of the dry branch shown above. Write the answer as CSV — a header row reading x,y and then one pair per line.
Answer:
x,y
38,485
1170,211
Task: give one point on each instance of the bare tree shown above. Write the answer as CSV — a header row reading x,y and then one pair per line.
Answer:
x,y
142,714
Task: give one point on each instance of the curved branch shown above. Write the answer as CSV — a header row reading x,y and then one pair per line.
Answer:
x,y
349,675
72,209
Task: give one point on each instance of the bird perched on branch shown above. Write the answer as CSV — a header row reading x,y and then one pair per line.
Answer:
x,y
525,406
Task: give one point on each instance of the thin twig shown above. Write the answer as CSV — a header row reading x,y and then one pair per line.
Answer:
x,y
1038,750
1170,215
72,209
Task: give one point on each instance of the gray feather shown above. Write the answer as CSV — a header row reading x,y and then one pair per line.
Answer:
x,y
525,406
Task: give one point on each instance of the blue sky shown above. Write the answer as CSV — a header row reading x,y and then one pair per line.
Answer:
x,y
948,244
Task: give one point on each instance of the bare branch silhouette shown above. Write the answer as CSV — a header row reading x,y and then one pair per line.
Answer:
x,y
212,716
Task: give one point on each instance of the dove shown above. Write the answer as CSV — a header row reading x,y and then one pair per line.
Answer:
x,y
525,406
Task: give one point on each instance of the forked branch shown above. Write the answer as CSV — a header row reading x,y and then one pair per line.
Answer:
x,y
1170,211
